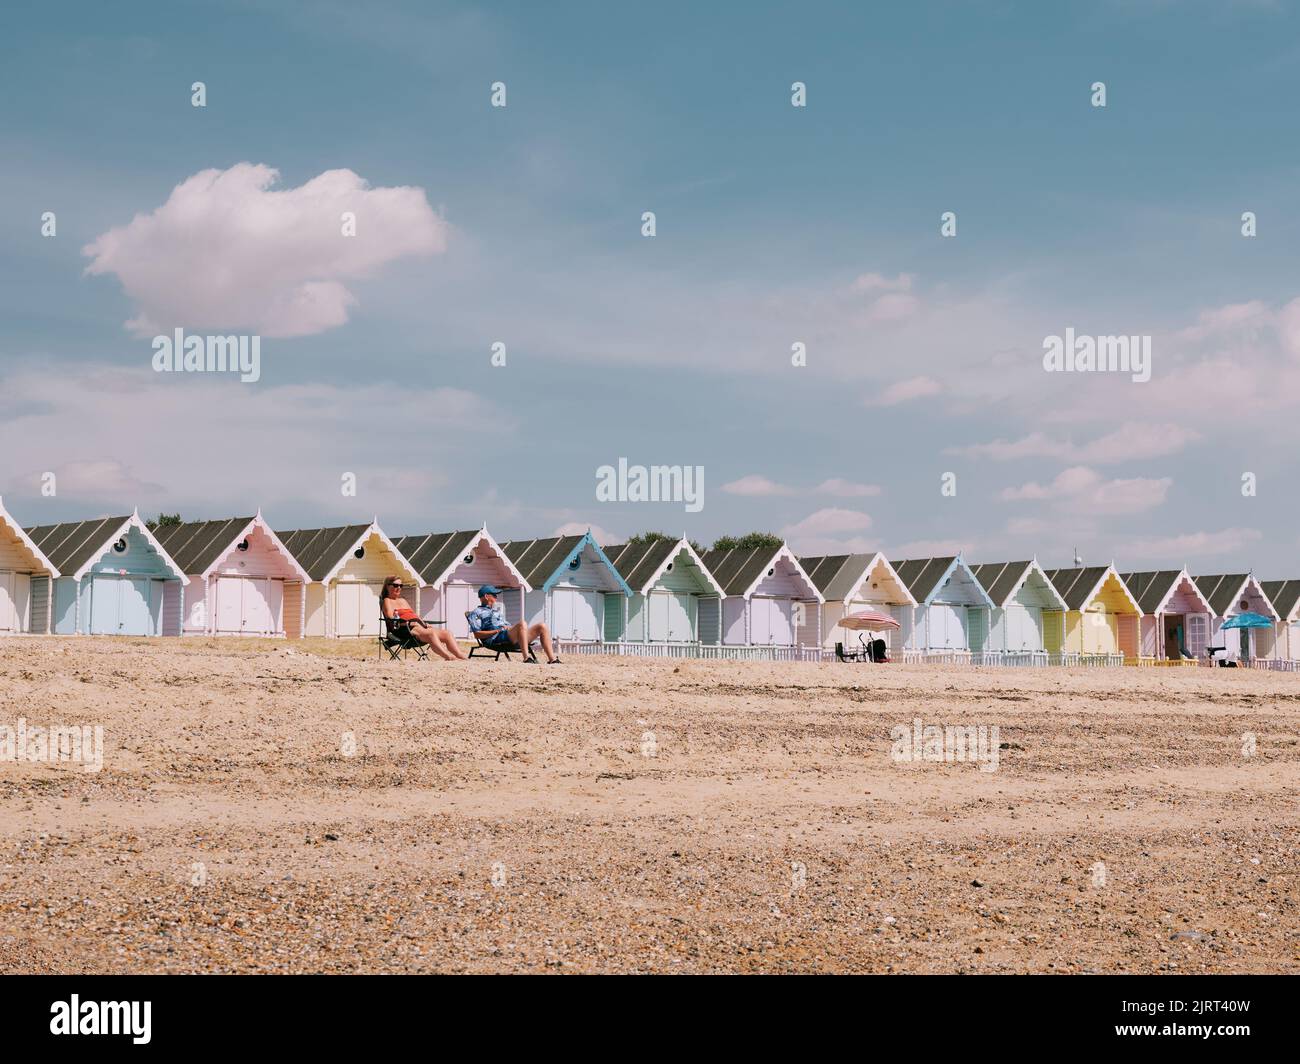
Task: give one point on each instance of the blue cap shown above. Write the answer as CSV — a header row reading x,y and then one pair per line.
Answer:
x,y
488,589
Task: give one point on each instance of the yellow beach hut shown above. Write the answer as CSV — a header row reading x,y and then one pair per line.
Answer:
x,y
1101,618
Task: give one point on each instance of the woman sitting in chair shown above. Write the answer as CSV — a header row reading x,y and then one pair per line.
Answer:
x,y
399,611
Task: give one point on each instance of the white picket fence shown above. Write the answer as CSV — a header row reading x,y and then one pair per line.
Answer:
x,y
695,650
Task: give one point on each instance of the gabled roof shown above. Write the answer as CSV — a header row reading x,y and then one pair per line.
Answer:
x,y
17,531
1153,590
198,546
1285,596
434,555
1002,580
1224,591
739,571
73,546
1078,587
323,551
543,562
838,577
642,564
924,577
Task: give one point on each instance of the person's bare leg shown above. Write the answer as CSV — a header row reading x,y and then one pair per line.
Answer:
x,y
453,646
540,631
519,635
429,636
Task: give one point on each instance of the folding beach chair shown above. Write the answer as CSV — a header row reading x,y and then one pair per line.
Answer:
x,y
845,655
505,649
395,637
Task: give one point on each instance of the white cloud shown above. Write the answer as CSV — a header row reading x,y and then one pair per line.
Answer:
x,y
928,548
846,489
1084,490
228,251
1133,440
830,531
755,485
578,528
1173,549
905,391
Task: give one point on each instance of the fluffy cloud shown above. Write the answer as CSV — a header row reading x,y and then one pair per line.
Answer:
x,y
1083,490
229,251
825,532
904,391
1132,440
846,489
756,485
577,528
1193,544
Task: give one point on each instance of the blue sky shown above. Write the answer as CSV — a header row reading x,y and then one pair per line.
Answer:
x,y
775,225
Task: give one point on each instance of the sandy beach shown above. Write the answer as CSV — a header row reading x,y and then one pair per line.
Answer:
x,y
274,807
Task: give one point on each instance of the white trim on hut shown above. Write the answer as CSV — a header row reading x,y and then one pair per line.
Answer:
x,y
1026,607
671,589
26,580
852,583
770,600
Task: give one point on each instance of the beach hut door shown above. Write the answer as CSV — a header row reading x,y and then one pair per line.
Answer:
x,y
8,608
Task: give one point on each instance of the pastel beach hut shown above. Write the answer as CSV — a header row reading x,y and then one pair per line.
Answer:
x,y
452,567
1176,616
242,579
347,566
113,579
770,601
675,603
1285,596
1026,606
850,583
573,586
25,577
950,621
1101,621
1232,594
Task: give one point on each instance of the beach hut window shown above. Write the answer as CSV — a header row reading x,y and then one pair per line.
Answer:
x,y
243,545
120,546
670,568
576,561
469,559
772,571
360,552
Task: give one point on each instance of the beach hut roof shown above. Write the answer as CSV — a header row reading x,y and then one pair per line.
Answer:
x,y
198,546
1153,590
322,552
1285,596
435,555
544,562
1225,591
1002,580
19,534
925,577
838,577
1078,587
642,564
739,571
73,546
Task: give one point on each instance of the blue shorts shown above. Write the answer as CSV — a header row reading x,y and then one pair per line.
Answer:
x,y
499,639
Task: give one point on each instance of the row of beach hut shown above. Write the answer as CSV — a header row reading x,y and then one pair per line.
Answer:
x,y
237,576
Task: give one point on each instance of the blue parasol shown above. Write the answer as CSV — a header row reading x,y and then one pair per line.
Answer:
x,y
1248,620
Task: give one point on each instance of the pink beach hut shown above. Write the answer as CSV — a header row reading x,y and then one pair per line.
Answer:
x,y
23,569
243,580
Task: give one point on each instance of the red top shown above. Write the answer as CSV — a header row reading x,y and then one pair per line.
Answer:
x,y
406,615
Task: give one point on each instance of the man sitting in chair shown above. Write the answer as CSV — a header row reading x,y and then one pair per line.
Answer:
x,y
487,622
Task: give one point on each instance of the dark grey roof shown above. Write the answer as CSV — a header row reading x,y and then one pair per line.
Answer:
x,y
999,579
921,576
537,559
1075,585
318,550
433,553
638,562
836,575
195,545
736,570
1283,594
1152,588
1221,590
72,544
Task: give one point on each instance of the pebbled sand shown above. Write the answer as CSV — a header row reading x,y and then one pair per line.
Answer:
x,y
771,831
